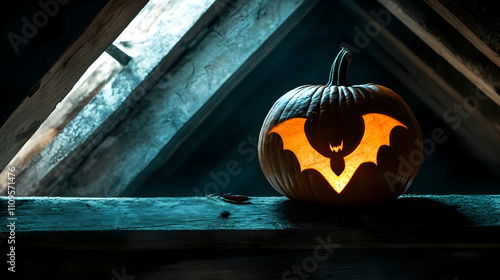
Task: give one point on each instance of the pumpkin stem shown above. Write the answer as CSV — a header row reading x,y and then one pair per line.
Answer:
x,y
338,72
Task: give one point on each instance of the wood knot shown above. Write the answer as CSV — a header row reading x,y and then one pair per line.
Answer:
x,y
225,214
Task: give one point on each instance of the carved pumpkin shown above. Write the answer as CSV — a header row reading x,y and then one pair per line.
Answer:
x,y
340,145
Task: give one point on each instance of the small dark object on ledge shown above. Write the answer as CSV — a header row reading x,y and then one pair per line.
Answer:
x,y
235,198
225,214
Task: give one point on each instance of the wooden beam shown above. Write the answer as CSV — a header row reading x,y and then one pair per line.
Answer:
x,y
93,81
409,213
100,73
461,19
270,20
158,39
481,72
441,90
170,111
34,35
65,72
414,236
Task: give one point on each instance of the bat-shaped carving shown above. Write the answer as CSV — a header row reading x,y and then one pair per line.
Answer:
x,y
377,132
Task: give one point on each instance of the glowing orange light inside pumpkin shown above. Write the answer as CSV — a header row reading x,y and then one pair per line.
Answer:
x,y
377,132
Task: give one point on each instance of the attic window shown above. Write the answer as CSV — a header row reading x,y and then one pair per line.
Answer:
x,y
148,39
185,57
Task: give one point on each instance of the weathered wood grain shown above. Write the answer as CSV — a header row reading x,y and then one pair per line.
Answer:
x,y
175,26
439,86
413,237
65,72
227,52
65,111
481,71
46,214
461,20
480,17
100,73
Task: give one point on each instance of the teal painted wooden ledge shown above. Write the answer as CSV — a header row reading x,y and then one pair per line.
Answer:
x,y
261,213
413,237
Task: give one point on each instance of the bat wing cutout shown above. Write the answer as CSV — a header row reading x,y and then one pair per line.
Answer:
x,y
377,132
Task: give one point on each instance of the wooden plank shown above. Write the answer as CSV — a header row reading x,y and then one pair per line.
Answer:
x,y
96,77
463,28
48,214
171,110
413,236
65,72
34,34
480,17
482,73
65,111
392,264
197,99
441,90
156,44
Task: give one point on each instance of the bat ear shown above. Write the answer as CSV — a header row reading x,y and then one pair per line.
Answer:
x,y
344,129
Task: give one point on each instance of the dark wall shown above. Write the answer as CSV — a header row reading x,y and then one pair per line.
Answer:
x,y
220,157
33,35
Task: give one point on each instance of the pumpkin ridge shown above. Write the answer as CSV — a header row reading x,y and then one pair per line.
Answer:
x,y
341,107
362,95
284,187
310,101
317,196
318,133
371,94
290,103
307,93
348,98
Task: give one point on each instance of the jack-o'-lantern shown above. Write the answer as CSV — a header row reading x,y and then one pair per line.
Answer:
x,y
340,145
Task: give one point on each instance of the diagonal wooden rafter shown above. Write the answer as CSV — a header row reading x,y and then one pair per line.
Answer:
x,y
99,74
461,27
104,69
441,92
180,23
128,144
482,74
63,75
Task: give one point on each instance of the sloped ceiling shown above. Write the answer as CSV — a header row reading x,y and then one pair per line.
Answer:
x,y
397,56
